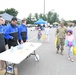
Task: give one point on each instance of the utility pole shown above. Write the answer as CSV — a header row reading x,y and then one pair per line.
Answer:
x,y
44,7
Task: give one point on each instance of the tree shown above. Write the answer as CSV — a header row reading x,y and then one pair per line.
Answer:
x,y
29,19
36,16
43,17
52,17
40,15
1,12
55,18
74,21
10,11
49,17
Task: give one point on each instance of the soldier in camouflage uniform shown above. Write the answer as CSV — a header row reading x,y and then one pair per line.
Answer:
x,y
60,33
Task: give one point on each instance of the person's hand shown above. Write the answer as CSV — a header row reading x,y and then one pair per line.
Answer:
x,y
26,40
13,39
65,45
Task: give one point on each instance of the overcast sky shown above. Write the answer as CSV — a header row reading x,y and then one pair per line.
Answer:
x,y
65,8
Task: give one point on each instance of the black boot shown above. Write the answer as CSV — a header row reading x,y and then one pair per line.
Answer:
x,y
57,51
61,52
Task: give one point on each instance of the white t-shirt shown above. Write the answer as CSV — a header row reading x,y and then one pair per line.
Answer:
x,y
70,38
47,31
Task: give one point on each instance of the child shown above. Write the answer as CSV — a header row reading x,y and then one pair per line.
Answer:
x,y
39,34
70,42
47,33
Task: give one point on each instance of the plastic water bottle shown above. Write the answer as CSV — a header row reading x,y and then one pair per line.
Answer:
x,y
18,47
12,49
21,46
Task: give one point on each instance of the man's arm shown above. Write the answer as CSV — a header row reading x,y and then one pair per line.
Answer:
x,y
27,35
66,30
19,33
57,31
6,33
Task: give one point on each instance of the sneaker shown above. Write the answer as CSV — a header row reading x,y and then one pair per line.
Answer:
x,y
61,53
10,69
68,58
57,52
72,60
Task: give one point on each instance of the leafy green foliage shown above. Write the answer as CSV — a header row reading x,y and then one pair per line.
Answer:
x,y
10,11
50,17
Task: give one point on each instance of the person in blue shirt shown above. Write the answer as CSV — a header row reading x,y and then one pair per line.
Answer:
x,y
23,32
4,28
11,33
2,42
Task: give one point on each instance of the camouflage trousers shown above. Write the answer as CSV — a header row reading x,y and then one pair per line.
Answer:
x,y
60,44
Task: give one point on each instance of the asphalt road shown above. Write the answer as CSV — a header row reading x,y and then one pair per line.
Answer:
x,y
50,63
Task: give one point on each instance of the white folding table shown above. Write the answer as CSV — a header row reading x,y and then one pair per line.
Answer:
x,y
18,55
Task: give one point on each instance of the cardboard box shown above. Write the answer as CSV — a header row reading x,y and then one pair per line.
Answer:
x,y
2,72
